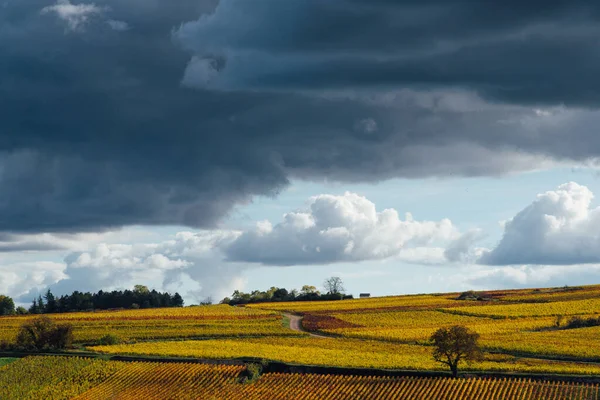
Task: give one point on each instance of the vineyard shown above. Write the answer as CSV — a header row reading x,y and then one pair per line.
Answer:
x,y
98,380
164,380
421,302
165,323
338,352
521,331
519,322
54,378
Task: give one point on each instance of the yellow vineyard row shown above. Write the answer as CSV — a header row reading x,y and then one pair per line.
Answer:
x,y
566,308
337,352
215,321
54,378
80,379
167,381
418,301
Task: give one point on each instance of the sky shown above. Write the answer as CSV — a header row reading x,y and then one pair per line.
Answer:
x,y
206,146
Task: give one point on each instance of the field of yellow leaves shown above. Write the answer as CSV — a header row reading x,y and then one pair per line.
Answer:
x,y
80,379
514,322
337,352
163,323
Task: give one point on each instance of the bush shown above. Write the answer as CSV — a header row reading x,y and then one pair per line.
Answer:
x,y
43,333
579,322
252,372
21,311
469,295
472,295
109,339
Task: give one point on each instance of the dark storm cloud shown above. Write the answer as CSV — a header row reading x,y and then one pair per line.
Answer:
x,y
537,52
113,113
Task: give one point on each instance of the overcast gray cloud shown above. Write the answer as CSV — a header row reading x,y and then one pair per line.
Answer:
x,y
115,113
510,50
76,16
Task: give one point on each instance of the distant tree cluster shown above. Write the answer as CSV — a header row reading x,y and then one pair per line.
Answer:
x,y
334,291
139,297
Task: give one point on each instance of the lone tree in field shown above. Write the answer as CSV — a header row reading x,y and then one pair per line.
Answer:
x,y
455,344
43,333
334,285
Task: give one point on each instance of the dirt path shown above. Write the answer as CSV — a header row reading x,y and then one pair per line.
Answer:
x,y
296,325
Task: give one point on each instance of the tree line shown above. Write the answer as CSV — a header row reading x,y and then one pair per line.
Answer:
x,y
334,290
139,297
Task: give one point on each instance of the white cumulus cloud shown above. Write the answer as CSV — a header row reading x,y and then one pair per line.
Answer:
x,y
17,279
201,264
338,229
559,228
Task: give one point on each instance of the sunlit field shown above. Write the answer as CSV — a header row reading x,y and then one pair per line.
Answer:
x,y
515,322
163,323
80,379
521,331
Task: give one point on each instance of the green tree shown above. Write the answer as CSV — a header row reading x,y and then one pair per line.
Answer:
x,y
7,305
271,291
51,305
177,300
33,309
308,290
21,310
141,289
280,294
455,344
40,305
43,333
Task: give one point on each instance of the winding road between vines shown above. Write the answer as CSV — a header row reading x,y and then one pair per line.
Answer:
x,y
296,325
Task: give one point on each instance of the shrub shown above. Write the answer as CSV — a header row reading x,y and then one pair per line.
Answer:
x,y
43,333
109,339
471,295
579,322
21,311
252,372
